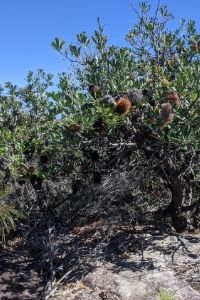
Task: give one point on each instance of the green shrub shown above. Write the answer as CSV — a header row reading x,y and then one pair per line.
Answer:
x,y
8,217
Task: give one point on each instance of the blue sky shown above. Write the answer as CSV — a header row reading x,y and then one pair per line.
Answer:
x,y
27,28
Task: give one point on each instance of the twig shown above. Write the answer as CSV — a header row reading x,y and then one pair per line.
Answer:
x,y
56,284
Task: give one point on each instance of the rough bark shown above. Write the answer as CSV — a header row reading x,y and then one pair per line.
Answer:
x,y
179,221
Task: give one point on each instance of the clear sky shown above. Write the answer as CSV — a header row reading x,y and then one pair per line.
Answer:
x,y
27,28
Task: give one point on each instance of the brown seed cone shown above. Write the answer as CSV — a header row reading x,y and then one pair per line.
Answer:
x,y
32,168
75,127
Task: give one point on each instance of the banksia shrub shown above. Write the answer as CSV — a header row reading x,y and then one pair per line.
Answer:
x,y
135,96
123,105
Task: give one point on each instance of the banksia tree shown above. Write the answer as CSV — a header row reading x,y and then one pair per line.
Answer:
x,y
149,70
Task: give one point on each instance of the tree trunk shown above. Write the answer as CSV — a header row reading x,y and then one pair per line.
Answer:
x,y
179,221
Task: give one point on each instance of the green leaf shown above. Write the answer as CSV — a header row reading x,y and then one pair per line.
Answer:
x,y
75,50
83,39
58,44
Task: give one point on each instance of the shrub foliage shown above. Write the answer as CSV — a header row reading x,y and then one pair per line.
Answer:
x,y
119,130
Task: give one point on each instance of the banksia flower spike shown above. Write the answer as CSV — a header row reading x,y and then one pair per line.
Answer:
x,y
173,98
198,45
169,119
94,90
75,127
32,168
167,115
135,96
108,100
123,105
195,46
166,108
